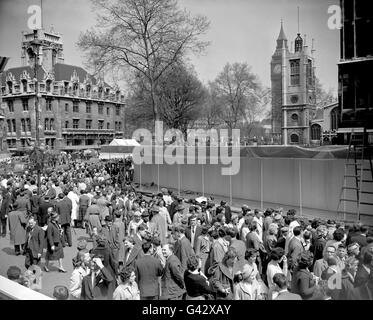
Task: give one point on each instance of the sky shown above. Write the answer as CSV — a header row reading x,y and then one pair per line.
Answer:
x,y
240,31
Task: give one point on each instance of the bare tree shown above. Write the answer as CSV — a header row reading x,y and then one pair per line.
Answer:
x,y
235,94
148,36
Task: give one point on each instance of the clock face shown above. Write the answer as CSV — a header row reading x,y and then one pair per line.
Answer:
x,y
277,68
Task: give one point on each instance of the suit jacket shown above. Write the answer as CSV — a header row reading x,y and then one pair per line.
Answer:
x,y
286,295
43,212
295,249
228,213
34,240
5,205
64,208
172,278
361,276
188,234
102,289
53,235
35,202
183,250
135,254
148,269
24,204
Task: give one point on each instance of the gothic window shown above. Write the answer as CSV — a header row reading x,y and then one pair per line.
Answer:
x,y
23,143
294,138
76,106
23,125
66,87
108,111
48,105
25,104
51,124
309,71
46,124
108,125
24,86
117,94
66,124
88,124
9,123
88,108
88,89
295,72
315,132
75,123
119,126
10,106
28,124
14,125
48,86
10,87
100,108
100,124
117,110
66,107
75,88
334,118
100,92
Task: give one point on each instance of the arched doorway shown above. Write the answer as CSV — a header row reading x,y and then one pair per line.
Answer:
x,y
315,132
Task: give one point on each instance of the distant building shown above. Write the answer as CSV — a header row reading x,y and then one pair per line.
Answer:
x,y
293,91
77,110
356,65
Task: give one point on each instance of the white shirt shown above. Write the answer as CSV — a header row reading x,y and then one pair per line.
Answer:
x,y
272,269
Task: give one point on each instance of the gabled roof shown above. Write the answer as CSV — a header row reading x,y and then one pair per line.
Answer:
x,y
17,72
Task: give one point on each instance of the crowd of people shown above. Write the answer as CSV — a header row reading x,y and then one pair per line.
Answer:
x,y
164,247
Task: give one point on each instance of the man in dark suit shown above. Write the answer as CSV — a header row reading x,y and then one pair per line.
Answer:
x,y
193,231
34,243
43,211
364,270
98,284
35,202
227,211
183,248
148,272
4,211
63,208
133,251
172,279
295,247
279,279
361,237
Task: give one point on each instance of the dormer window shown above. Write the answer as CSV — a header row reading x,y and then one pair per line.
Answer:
x,y
88,88
48,86
100,92
75,88
10,87
24,86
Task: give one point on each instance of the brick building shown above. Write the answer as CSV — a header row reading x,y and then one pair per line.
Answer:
x,y
77,110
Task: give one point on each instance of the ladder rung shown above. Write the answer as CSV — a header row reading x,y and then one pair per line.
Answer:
x,y
367,192
370,181
367,203
348,200
350,188
351,175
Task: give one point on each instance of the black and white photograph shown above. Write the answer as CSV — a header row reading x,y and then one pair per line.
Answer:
x,y
205,151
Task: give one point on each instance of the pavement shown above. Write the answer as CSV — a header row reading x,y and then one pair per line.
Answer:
x,y
53,277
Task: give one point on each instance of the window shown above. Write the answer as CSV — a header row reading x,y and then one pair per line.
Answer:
x,y
315,132
117,110
100,92
334,118
76,106
100,108
24,85
100,124
9,123
10,87
294,72
25,104
88,89
14,125
108,111
75,123
88,108
294,138
294,117
119,126
117,95
66,87
66,124
53,143
51,124
75,89
23,125
108,125
23,143
66,107
48,86
309,71
28,124
48,105
46,124
88,124
10,106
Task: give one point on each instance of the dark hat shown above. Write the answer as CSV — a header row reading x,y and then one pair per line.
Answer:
x,y
222,203
145,214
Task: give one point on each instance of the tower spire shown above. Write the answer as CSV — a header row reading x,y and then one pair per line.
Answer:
x,y
282,41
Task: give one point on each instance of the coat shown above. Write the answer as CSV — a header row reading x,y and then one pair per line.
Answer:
x,y
172,279
118,225
240,248
5,205
347,286
24,204
361,276
43,212
188,234
183,250
34,240
160,224
135,254
64,208
108,259
295,248
303,284
17,227
222,279
102,289
148,269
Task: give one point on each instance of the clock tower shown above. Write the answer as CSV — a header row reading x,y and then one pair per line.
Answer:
x,y
293,91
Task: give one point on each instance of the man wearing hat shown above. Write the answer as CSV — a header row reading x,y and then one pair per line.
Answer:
x,y
145,216
158,224
179,215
